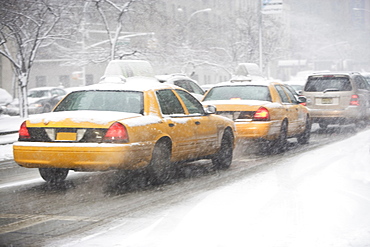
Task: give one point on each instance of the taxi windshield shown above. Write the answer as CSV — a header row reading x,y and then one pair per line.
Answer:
x,y
121,101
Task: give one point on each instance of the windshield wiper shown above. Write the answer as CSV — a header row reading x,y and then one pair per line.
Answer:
x,y
330,90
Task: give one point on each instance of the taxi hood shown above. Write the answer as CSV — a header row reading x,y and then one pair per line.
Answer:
x,y
79,119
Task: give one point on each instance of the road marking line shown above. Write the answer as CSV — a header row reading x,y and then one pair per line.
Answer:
x,y
31,220
12,184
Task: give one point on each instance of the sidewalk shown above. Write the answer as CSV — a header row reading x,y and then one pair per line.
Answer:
x,y
10,124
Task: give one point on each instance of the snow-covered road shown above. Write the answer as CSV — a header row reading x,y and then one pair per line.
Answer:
x,y
317,198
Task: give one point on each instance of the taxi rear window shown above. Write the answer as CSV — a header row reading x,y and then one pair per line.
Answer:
x,y
121,101
320,84
242,92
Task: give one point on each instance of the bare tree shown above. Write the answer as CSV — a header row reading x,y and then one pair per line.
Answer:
x,y
100,33
25,27
120,11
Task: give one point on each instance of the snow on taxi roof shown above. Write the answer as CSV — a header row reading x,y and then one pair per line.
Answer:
x,y
128,68
136,83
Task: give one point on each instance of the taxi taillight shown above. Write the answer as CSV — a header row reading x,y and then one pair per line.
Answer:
x,y
262,114
24,134
354,100
116,133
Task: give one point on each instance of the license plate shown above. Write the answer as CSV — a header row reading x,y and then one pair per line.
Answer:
x,y
327,100
66,136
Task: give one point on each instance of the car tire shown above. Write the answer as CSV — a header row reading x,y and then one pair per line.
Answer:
x,y
53,175
223,158
304,138
280,144
160,169
361,124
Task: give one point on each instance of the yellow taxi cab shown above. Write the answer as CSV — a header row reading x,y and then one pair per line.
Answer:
x,y
262,110
138,123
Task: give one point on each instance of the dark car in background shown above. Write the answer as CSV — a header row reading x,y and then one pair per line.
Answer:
x,y
40,100
5,100
44,99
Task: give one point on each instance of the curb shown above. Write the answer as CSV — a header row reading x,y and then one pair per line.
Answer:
x,y
8,132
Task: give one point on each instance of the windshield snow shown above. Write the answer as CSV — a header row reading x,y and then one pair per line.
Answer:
x,y
320,84
242,92
121,101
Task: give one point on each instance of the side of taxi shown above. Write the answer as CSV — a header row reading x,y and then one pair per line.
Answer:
x,y
262,110
135,124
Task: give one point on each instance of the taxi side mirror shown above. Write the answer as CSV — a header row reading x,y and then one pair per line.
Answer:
x,y
301,99
210,109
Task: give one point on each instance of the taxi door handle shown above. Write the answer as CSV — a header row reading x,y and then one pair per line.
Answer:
x,y
197,122
171,124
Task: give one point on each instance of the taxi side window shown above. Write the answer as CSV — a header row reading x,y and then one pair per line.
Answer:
x,y
169,103
192,104
293,99
284,98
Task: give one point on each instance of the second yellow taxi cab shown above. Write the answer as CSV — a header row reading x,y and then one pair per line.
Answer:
x,y
262,110
138,123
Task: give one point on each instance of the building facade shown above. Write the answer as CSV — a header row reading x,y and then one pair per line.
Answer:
x,y
206,40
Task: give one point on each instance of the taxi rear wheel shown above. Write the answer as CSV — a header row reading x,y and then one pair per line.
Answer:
x,y
280,144
53,175
160,169
222,160
305,136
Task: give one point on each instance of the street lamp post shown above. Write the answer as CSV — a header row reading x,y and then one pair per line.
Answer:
x,y
360,9
199,11
187,32
260,42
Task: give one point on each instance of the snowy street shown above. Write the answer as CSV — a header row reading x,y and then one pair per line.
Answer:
x,y
313,195
187,123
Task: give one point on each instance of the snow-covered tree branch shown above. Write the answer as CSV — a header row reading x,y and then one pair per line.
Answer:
x,y
24,27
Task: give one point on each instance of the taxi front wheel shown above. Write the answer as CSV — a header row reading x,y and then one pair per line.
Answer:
x,y
53,175
223,158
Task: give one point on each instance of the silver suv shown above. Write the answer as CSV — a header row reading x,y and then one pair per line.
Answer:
x,y
338,98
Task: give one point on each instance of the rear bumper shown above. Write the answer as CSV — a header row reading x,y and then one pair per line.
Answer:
x,y
82,156
257,129
349,114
